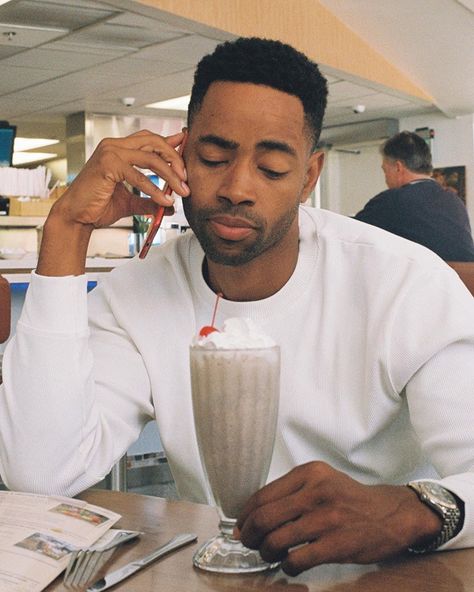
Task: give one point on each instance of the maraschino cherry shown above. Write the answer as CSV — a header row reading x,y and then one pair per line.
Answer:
x,y
208,329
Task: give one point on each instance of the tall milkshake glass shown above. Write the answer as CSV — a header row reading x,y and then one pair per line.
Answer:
x,y
235,402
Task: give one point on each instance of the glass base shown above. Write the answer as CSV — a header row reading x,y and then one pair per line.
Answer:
x,y
224,554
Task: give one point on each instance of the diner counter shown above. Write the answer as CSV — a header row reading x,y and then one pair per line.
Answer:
x,y
18,270
159,519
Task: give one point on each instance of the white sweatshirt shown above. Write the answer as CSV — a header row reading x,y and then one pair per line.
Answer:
x,y
377,348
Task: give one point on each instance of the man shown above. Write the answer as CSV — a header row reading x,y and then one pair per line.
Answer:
x,y
369,328
415,206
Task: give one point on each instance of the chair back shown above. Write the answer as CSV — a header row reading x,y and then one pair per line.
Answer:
x,y
465,270
5,309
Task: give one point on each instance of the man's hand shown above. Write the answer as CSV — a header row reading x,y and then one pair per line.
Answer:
x,y
315,515
99,197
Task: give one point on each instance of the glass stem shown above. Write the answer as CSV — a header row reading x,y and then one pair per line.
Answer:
x,y
226,526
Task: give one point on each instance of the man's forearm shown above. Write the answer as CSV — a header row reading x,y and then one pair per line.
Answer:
x,y
63,247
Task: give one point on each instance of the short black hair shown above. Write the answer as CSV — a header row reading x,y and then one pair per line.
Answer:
x,y
269,63
411,149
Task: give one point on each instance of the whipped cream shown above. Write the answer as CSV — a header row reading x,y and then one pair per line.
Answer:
x,y
237,333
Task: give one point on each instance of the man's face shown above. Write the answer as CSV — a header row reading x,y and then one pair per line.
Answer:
x,y
391,172
249,166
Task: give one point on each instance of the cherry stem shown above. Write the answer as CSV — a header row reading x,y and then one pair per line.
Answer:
x,y
219,295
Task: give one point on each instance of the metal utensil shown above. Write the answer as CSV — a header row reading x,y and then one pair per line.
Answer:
x,y
84,563
127,570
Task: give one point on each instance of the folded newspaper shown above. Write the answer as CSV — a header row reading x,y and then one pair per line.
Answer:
x,y
38,533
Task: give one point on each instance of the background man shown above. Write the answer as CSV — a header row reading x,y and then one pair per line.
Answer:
x,y
415,206
369,327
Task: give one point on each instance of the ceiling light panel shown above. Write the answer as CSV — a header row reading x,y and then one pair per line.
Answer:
x,y
117,36
65,45
51,14
27,157
22,144
178,103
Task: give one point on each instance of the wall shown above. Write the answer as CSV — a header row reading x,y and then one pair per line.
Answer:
x,y
351,176
99,126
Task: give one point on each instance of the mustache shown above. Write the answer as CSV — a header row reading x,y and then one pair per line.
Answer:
x,y
228,209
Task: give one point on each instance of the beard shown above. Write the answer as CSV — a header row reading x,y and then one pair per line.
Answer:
x,y
235,253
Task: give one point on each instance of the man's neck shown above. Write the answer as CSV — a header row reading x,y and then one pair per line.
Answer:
x,y
256,280
410,177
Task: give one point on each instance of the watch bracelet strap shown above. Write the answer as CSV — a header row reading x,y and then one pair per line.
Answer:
x,y
450,522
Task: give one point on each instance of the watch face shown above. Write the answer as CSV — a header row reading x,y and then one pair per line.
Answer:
x,y
438,493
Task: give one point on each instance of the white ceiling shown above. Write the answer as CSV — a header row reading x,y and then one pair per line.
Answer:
x,y
66,56
430,41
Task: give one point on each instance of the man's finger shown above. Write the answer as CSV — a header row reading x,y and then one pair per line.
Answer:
x,y
277,490
264,519
308,527
140,181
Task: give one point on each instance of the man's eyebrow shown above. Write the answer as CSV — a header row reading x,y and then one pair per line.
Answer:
x,y
275,145
231,145
218,141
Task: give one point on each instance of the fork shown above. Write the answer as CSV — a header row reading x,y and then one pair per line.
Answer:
x,y
83,563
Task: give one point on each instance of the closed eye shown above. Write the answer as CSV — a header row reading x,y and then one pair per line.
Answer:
x,y
211,163
271,174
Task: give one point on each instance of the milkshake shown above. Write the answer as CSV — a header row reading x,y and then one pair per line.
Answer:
x,y
235,377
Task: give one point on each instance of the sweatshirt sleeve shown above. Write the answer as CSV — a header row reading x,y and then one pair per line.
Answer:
x,y
437,350
442,411
70,405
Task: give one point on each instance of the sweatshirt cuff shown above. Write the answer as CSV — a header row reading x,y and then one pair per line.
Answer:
x,y
56,304
462,485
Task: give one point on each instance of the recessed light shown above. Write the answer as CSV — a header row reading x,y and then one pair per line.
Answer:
x,y
177,104
22,144
27,157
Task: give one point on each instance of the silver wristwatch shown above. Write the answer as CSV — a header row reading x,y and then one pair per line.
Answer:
x,y
444,503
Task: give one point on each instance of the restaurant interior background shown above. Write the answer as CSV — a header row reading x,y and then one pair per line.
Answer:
x,y
74,71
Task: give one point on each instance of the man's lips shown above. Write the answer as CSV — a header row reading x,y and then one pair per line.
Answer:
x,y
231,228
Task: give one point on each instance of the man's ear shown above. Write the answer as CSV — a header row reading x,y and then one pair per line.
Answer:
x,y
315,165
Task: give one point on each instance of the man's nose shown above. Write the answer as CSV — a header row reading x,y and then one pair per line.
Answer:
x,y
238,184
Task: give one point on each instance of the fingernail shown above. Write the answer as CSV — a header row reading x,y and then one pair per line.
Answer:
x,y
170,198
185,187
185,174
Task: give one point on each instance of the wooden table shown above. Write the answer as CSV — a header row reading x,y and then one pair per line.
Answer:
x,y
450,571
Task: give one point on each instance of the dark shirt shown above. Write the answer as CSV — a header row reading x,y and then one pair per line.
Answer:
x,y
424,212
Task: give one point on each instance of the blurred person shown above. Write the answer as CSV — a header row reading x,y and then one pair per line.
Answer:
x,y
416,206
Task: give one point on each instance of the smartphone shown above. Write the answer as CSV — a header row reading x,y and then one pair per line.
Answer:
x,y
155,225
